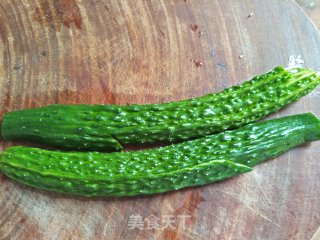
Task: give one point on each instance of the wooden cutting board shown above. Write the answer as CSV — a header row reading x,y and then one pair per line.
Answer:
x,y
150,51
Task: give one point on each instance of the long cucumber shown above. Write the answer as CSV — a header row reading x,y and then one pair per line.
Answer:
x,y
195,162
108,127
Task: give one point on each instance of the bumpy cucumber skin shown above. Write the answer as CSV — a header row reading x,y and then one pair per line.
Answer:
x,y
106,127
120,186
195,162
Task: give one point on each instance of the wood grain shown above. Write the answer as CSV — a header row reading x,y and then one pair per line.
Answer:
x,y
312,8
99,51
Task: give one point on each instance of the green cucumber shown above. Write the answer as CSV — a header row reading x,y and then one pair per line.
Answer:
x,y
195,162
100,185
107,127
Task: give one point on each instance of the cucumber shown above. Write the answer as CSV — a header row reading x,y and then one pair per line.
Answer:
x,y
108,127
191,163
100,185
